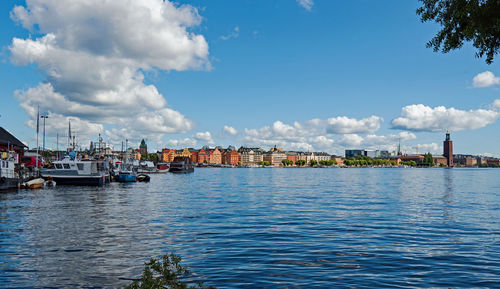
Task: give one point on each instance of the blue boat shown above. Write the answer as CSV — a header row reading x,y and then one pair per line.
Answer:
x,y
126,177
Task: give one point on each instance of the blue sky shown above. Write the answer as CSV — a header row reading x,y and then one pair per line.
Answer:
x,y
328,76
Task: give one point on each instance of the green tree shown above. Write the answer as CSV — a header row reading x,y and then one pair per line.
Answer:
x,y
476,21
313,163
144,157
300,163
428,160
163,273
154,157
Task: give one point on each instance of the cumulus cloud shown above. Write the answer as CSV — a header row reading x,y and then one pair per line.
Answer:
x,y
204,137
345,125
485,79
230,130
331,135
429,148
419,117
306,4
93,53
180,143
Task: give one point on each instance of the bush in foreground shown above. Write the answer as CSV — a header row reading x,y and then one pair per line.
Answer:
x,y
164,273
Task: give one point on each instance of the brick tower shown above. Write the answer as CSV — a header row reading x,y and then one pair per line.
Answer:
x,y
448,150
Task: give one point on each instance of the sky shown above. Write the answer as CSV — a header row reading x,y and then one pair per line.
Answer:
x,y
310,75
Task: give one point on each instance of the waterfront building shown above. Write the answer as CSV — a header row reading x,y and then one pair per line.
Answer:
x,y
292,156
230,157
10,142
183,153
448,150
203,157
167,155
440,160
354,153
465,160
215,156
339,160
194,155
275,157
321,156
143,147
493,162
250,156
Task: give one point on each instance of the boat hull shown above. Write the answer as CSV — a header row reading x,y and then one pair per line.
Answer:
x,y
9,184
181,170
125,178
78,181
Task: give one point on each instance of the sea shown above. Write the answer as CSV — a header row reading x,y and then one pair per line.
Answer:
x,y
262,228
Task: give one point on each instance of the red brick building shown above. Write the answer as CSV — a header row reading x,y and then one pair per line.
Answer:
x,y
292,157
203,157
231,157
448,150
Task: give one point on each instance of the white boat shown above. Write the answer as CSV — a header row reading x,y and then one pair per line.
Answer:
x,y
33,184
72,171
9,178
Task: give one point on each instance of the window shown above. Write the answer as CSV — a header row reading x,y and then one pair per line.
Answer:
x,y
58,166
66,166
80,167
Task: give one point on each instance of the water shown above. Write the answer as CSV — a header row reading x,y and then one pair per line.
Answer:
x,y
262,228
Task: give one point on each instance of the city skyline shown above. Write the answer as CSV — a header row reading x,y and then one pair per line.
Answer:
x,y
302,75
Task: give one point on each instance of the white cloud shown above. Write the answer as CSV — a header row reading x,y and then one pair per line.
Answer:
x,y
93,53
204,136
319,135
433,148
345,125
306,4
230,130
485,79
418,117
180,143
234,34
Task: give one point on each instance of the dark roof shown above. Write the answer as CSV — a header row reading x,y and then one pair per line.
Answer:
x,y
7,138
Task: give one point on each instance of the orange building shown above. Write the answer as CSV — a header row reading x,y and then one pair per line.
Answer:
x,y
194,155
167,155
203,157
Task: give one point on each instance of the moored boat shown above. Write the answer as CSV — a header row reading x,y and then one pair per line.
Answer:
x,y
9,178
125,176
181,165
71,171
33,184
162,167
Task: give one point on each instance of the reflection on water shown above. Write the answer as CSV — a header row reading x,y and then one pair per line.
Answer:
x,y
254,228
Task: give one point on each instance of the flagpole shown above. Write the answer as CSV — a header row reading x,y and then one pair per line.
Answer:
x,y
37,129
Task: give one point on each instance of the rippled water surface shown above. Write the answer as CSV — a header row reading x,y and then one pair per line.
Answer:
x,y
262,228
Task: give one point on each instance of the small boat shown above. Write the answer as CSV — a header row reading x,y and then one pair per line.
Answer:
x,y
33,184
143,178
125,176
162,167
181,165
146,167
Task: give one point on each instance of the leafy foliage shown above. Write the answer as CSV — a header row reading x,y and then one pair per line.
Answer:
x,y
428,159
164,273
287,162
477,21
300,163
